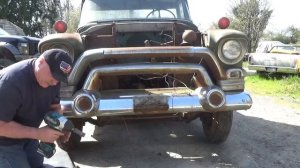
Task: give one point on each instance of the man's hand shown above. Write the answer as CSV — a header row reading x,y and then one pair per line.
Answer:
x,y
65,138
15,130
47,134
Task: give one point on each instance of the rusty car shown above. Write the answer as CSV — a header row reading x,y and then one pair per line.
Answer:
x,y
146,59
280,59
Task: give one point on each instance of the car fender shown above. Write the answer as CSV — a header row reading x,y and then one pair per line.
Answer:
x,y
8,51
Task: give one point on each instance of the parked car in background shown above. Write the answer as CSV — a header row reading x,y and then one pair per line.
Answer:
x,y
15,48
280,59
266,46
145,59
286,49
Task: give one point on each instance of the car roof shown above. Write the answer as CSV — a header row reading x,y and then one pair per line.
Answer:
x,y
266,46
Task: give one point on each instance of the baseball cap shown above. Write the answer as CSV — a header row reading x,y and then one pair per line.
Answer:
x,y
60,63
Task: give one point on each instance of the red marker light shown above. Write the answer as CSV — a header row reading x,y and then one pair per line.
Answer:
x,y
223,23
60,26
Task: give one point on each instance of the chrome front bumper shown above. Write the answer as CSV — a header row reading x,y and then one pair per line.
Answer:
x,y
221,93
274,69
153,104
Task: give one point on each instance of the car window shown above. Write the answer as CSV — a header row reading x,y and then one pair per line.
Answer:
x,y
266,46
111,10
287,49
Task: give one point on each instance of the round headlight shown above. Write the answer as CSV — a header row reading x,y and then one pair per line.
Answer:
x,y
231,52
232,49
23,48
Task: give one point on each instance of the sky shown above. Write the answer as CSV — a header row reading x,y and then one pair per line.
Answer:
x,y
284,14
206,12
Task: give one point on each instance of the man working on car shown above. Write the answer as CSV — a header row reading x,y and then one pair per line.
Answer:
x,y
28,90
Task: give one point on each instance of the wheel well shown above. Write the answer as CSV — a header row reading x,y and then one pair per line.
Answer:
x,y
6,54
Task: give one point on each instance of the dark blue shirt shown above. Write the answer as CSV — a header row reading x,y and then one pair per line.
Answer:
x,y
22,99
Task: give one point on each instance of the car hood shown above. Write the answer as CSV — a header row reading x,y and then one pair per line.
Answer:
x,y
9,38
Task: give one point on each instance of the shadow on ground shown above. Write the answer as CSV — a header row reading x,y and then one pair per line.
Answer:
x,y
253,142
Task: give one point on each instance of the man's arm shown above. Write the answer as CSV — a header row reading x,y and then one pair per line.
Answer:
x,y
15,130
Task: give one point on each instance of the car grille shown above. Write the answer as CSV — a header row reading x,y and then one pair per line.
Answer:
x,y
33,48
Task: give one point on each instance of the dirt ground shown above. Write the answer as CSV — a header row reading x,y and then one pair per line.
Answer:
x,y
270,133
267,135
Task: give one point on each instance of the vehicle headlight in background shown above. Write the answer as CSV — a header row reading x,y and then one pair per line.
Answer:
x,y
23,48
231,51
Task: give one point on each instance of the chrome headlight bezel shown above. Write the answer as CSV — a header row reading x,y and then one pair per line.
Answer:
x,y
232,51
23,48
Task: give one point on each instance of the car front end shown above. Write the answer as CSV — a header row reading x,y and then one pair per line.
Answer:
x,y
147,60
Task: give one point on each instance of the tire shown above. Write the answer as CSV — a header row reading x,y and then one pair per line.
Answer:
x,y
6,57
74,139
217,126
5,62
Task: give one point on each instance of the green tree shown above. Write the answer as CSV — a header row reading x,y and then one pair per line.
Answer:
x,y
70,15
30,15
251,17
293,34
289,36
73,20
278,36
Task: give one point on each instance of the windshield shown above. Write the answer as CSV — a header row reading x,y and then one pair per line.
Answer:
x,y
287,48
3,32
113,10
